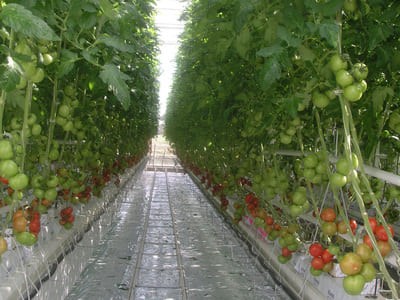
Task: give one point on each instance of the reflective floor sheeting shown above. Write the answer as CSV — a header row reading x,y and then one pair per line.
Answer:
x,y
165,241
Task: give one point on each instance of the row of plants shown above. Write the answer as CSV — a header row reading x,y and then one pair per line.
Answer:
x,y
257,81
78,104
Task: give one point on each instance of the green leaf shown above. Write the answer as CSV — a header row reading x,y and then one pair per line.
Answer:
x,y
378,33
67,61
306,53
290,106
288,37
16,98
9,75
23,21
379,95
270,72
90,55
269,51
108,9
329,8
329,30
115,42
115,79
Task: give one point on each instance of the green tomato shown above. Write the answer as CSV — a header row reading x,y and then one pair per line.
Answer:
x,y
8,168
69,90
22,83
19,182
32,119
311,161
52,182
50,194
320,100
344,78
61,121
362,85
338,180
315,272
360,71
352,92
29,69
64,110
23,48
354,284
69,126
47,59
350,6
285,139
26,238
38,76
343,166
36,129
299,198
38,193
336,63
6,151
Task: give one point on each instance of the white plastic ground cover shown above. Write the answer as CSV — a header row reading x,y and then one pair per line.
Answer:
x,y
25,270
182,249
295,275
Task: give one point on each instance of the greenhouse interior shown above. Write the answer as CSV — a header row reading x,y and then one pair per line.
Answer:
x,y
200,149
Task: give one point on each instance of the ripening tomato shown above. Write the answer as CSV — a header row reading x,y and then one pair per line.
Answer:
x,y
329,228
384,248
351,263
19,224
328,214
364,251
3,245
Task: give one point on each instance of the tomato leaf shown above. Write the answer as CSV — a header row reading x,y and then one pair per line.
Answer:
x,y
269,51
378,33
379,95
23,21
329,30
67,61
306,53
116,43
288,37
270,72
329,8
9,75
108,9
115,79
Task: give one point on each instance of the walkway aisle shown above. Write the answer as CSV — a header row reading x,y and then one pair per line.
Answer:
x,y
167,242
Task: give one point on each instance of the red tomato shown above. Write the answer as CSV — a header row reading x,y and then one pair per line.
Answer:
x,y
327,256
317,263
353,225
367,241
381,234
316,249
269,220
373,223
286,252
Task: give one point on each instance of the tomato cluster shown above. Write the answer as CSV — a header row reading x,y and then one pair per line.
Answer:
x,y
322,258
26,226
67,217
